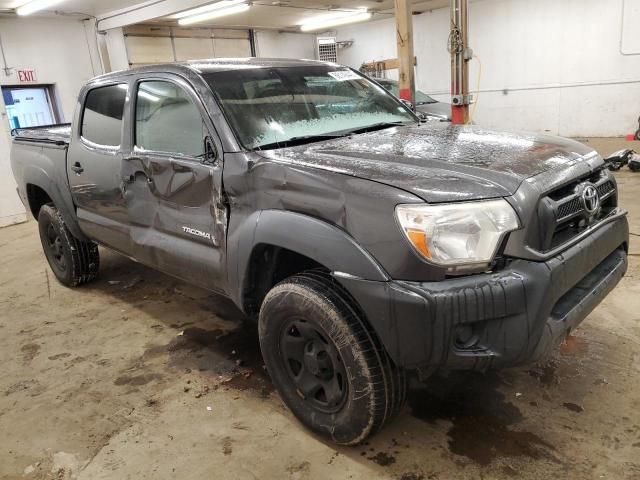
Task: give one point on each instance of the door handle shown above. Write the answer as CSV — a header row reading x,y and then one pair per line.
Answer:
x,y
77,168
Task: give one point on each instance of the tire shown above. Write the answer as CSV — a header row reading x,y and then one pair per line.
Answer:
x,y
325,361
73,261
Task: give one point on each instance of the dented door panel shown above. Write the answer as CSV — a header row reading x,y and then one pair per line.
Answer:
x,y
174,216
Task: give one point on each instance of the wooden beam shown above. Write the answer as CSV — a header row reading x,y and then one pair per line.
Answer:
x,y
404,37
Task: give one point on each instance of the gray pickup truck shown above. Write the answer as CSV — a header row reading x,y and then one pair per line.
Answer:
x,y
368,245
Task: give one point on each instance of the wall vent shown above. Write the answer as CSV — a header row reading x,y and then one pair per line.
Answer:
x,y
327,49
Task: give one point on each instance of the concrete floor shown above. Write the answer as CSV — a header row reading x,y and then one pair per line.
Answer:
x,y
139,376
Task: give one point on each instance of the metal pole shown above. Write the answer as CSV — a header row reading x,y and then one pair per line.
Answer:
x,y
404,33
5,67
460,56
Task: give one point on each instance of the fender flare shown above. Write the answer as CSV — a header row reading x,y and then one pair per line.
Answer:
x,y
35,175
316,239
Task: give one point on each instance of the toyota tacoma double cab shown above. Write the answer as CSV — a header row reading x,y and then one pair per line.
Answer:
x,y
368,245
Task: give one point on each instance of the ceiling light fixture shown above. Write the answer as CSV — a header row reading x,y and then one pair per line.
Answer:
x,y
218,12
206,8
334,20
35,6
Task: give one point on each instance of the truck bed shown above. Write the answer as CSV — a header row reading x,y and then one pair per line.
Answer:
x,y
58,134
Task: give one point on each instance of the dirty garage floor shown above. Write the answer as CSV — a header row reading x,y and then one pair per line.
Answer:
x,y
139,376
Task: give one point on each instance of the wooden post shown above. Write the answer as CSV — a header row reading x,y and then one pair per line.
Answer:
x,y
404,34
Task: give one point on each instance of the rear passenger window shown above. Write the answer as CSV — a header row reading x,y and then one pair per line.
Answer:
x,y
167,120
102,116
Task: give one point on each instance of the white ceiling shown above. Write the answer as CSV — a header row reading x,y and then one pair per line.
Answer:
x,y
91,7
287,15
283,14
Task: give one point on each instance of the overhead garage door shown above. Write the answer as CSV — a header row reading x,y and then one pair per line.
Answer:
x,y
150,44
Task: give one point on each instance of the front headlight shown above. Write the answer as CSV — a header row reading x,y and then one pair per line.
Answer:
x,y
454,235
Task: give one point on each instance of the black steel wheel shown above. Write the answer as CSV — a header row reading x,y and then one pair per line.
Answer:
x,y
314,365
73,261
325,361
53,248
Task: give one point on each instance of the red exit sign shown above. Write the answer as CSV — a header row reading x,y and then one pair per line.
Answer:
x,y
27,75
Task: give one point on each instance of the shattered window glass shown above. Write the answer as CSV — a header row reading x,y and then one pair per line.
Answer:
x,y
267,107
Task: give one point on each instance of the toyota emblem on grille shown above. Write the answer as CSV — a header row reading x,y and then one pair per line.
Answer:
x,y
590,199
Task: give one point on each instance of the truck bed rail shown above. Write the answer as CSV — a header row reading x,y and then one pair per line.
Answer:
x,y
58,134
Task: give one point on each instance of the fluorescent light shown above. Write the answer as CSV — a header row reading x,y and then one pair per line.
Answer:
x,y
36,5
207,8
326,21
219,12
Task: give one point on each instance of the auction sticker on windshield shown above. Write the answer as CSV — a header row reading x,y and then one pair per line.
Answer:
x,y
345,75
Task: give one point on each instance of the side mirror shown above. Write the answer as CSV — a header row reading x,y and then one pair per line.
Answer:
x,y
210,156
408,104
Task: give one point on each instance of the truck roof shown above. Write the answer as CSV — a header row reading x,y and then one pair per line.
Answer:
x,y
212,65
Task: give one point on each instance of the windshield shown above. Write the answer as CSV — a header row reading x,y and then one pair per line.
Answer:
x,y
272,107
392,86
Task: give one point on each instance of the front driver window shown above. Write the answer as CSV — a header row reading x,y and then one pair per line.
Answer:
x,y
167,120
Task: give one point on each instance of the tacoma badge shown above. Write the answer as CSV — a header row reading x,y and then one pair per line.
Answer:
x,y
197,233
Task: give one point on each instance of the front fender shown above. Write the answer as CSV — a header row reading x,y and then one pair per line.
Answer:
x,y
323,242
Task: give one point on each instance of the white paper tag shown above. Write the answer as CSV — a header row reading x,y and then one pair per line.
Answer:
x,y
342,75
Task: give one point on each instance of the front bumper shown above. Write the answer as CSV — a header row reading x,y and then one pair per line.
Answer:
x,y
500,319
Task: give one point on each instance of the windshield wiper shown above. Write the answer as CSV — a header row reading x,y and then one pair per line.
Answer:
x,y
301,140
378,126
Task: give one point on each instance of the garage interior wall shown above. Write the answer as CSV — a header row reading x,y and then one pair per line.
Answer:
x,y
285,45
62,54
147,44
560,62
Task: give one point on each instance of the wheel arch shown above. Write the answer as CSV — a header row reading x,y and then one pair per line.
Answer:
x,y
275,244
41,189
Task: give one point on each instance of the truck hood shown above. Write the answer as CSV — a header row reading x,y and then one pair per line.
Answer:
x,y
440,162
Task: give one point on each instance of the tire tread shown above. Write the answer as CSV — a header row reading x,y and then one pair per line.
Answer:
x,y
85,258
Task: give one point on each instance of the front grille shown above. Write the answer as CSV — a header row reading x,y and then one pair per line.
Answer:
x,y
569,208
606,188
562,214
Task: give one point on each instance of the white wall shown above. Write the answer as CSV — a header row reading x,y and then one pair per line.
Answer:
x,y
285,45
560,61
61,53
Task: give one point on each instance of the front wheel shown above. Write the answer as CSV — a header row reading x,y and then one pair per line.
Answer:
x,y
327,365
73,261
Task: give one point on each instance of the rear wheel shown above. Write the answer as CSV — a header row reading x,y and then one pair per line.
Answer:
x,y
326,363
72,261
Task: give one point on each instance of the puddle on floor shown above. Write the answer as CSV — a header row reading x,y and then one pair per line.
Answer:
x,y
233,355
483,421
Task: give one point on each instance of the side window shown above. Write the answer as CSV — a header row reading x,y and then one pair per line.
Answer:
x,y
167,120
102,115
